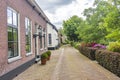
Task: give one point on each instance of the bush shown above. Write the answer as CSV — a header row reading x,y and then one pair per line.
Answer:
x,y
99,46
72,43
48,53
114,46
67,41
88,44
109,60
76,45
44,55
88,51
83,44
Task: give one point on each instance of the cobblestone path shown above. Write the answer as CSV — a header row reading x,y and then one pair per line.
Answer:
x,y
67,64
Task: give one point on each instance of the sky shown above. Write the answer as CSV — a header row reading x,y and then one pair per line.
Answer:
x,y
59,10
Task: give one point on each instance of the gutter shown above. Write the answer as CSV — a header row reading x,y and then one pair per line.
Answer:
x,y
36,7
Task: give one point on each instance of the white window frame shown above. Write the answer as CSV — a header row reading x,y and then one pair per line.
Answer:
x,y
41,39
18,20
50,39
30,53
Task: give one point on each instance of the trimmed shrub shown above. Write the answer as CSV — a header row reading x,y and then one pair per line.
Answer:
x,y
89,44
109,60
44,58
48,53
88,51
44,55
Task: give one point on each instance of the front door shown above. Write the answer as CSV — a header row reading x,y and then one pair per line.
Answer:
x,y
36,37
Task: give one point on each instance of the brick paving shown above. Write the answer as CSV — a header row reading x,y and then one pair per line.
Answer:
x,y
67,64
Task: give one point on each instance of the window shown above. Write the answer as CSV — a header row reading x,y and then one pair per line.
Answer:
x,y
41,38
28,35
12,21
50,39
44,38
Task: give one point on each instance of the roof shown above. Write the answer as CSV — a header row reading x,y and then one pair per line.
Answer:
x,y
37,8
54,27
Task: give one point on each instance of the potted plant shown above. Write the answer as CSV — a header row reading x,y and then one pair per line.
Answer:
x,y
49,54
44,57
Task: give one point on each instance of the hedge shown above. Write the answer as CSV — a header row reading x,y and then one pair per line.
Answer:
x,y
109,60
88,51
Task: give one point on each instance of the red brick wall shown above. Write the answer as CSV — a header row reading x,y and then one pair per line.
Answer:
x,y
3,34
25,10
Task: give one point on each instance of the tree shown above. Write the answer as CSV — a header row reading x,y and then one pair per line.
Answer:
x,y
102,23
95,19
70,27
112,25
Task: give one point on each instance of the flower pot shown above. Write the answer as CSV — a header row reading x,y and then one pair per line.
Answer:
x,y
48,58
49,55
43,61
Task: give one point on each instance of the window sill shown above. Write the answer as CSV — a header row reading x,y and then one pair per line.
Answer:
x,y
41,49
14,59
50,44
45,48
28,54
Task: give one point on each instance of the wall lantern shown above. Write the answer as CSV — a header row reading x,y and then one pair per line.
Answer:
x,y
39,33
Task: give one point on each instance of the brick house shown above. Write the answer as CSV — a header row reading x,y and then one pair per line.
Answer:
x,y
23,28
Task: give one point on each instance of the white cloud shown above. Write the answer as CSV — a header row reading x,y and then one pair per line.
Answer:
x,y
52,5
76,7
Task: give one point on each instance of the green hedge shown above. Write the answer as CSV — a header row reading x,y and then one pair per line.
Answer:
x,y
88,51
109,60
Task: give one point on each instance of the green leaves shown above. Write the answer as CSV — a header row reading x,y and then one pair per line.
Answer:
x,y
102,23
70,27
114,46
112,25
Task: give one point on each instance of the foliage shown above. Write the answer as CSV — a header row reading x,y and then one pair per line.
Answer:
x,y
109,60
102,23
61,31
44,56
112,25
100,46
76,45
48,53
88,51
90,30
70,27
72,43
67,41
114,46
87,44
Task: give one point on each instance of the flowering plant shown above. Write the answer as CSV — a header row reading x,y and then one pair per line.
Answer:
x,y
99,46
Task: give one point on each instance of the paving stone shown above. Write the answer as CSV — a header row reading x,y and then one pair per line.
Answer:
x,y
67,64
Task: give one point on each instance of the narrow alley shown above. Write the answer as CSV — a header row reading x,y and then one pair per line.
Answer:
x,y
67,64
